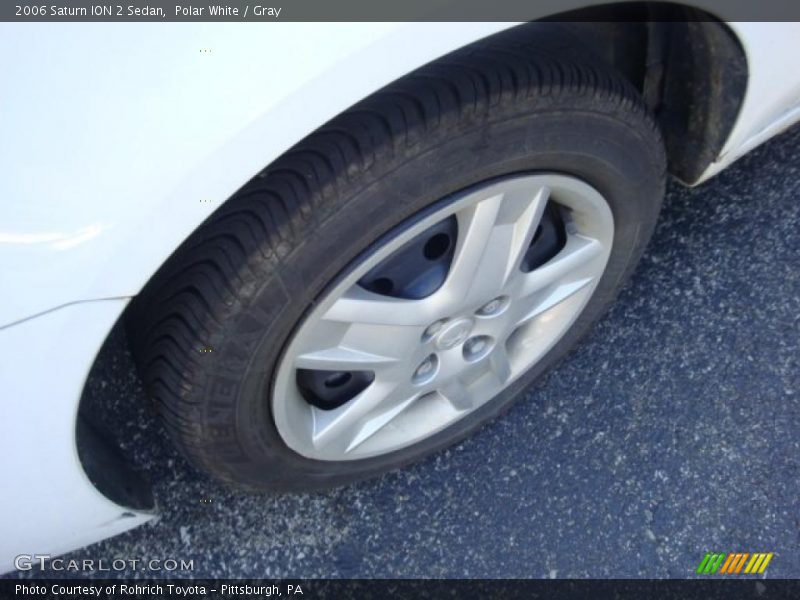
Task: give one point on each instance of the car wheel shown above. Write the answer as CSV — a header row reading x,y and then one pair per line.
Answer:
x,y
405,273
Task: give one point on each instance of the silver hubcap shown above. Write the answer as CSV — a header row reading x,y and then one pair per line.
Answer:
x,y
436,359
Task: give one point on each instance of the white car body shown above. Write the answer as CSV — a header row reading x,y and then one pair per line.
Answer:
x,y
118,140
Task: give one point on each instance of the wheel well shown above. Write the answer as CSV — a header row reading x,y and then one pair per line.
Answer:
x,y
689,67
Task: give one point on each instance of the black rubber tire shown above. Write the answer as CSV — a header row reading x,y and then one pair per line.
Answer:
x,y
242,282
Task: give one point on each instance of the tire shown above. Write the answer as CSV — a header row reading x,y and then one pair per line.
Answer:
x,y
209,330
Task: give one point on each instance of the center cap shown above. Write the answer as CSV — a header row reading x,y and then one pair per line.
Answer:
x,y
453,334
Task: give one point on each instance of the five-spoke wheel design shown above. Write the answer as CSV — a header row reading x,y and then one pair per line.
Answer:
x,y
440,317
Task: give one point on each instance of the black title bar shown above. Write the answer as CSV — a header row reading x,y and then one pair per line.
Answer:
x,y
410,589
376,10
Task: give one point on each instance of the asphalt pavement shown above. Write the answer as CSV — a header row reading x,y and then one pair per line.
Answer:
x,y
672,431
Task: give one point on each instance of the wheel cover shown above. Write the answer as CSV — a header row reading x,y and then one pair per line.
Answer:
x,y
432,361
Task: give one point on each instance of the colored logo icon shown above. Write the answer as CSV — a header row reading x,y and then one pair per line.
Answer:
x,y
734,563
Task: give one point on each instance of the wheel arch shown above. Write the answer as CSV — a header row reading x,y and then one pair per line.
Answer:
x,y
690,67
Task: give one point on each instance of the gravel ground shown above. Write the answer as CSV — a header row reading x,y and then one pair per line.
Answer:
x,y
673,430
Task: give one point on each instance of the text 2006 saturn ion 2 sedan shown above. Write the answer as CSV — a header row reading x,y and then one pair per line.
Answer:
x,y
336,248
